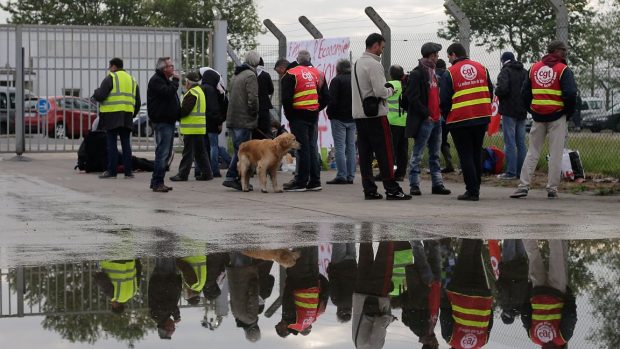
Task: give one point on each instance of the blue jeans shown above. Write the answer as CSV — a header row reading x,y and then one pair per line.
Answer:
x,y
514,144
125,135
239,135
308,167
344,142
429,134
513,249
164,135
214,153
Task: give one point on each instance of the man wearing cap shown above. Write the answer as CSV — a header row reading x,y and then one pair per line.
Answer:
x,y
513,112
550,93
466,102
424,120
193,127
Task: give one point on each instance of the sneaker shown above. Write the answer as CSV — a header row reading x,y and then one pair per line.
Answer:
x,y
399,195
373,196
234,184
441,190
314,187
161,189
506,177
106,175
129,176
167,187
294,187
178,178
468,197
447,170
519,193
552,194
337,180
415,191
204,177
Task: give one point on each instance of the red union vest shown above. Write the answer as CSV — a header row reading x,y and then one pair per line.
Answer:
x,y
306,94
471,98
546,90
471,315
546,318
306,308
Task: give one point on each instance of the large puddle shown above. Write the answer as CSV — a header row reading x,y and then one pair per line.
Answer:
x,y
391,294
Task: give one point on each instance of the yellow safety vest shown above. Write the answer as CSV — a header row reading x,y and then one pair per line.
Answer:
x,y
401,260
123,277
396,115
199,265
196,122
122,97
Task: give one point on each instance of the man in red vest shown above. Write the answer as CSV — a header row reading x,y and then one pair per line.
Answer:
x,y
551,314
551,93
465,100
304,95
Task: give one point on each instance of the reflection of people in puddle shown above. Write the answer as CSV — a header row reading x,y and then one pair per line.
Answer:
x,y
249,281
216,290
119,280
342,270
512,284
551,314
194,272
164,292
305,297
466,316
371,302
419,293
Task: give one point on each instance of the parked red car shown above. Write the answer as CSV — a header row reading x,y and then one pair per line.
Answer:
x,y
68,116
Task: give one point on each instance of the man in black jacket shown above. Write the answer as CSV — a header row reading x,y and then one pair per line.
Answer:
x,y
164,292
423,120
440,70
513,112
163,109
215,115
265,91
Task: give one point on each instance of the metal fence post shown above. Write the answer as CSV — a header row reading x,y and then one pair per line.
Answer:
x,y
19,290
220,45
279,35
386,57
561,20
310,27
464,25
20,142
233,55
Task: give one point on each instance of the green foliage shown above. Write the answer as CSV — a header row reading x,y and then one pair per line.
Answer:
x,y
524,26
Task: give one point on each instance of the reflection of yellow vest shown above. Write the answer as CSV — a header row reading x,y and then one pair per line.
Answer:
x,y
122,97
401,259
396,115
123,276
199,265
195,123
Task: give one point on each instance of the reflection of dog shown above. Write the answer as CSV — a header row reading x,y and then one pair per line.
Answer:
x,y
264,156
284,257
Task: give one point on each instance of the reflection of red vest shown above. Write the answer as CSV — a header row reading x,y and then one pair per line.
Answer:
x,y
471,98
306,95
546,89
546,317
471,315
306,308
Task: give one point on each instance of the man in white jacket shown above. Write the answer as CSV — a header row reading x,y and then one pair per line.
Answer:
x,y
373,131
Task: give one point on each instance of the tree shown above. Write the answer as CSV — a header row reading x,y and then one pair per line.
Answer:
x,y
525,26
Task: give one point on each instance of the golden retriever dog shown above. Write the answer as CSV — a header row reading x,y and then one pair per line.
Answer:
x,y
264,156
284,257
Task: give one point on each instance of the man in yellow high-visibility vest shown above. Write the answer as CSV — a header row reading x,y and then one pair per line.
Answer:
x,y
119,102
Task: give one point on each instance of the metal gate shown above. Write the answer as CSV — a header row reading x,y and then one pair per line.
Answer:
x,y
63,65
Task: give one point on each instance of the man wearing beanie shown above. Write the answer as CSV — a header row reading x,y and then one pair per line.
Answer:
x,y
193,127
513,112
550,93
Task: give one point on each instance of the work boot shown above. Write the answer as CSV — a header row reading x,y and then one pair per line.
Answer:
x,y
468,197
178,178
415,190
441,190
106,175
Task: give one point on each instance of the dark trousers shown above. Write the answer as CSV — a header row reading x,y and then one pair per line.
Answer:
x,y
263,130
445,146
374,139
374,275
469,271
194,148
112,136
308,170
197,169
401,147
468,142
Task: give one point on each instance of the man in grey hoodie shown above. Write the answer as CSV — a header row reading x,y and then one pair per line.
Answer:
x,y
373,131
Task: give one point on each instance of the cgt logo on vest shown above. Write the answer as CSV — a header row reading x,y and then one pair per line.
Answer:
x,y
545,76
306,75
469,341
469,72
545,332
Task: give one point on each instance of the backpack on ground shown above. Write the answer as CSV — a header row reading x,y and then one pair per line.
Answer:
x,y
93,153
492,160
